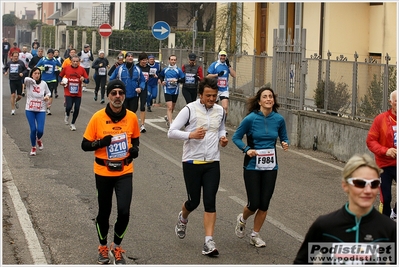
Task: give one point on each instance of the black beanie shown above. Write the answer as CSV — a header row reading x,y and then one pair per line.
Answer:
x,y
115,84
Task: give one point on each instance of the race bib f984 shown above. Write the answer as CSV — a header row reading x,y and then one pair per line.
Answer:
x,y
265,159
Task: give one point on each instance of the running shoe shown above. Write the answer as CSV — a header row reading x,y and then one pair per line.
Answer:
x,y
95,97
16,105
257,241
103,255
13,112
33,151
393,215
210,249
167,121
84,89
40,144
72,127
66,120
117,254
180,228
48,112
142,129
23,94
102,101
149,109
56,96
240,227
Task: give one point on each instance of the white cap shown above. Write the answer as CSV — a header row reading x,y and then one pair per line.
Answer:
x,y
101,51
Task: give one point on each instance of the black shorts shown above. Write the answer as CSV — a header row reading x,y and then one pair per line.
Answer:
x,y
169,97
16,86
52,86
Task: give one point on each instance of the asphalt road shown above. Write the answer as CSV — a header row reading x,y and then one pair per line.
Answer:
x,y
49,201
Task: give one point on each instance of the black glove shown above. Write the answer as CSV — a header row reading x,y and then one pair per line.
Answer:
x,y
133,152
221,73
106,141
228,63
27,59
46,68
197,78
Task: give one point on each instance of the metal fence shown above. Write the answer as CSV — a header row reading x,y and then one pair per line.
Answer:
x,y
352,89
334,85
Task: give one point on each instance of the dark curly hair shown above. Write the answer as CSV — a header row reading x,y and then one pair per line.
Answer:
x,y
207,82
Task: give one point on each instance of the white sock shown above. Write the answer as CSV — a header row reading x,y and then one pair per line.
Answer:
x,y
207,238
182,219
254,233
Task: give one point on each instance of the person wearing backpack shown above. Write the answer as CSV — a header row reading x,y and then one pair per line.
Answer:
x,y
193,74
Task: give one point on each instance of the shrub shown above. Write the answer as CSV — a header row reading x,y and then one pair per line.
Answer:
x,y
371,104
338,96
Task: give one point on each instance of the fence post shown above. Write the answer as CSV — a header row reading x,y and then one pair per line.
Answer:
x,y
304,71
253,73
354,85
386,83
274,65
327,81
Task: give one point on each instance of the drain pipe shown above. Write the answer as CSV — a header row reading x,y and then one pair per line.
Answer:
x,y
321,39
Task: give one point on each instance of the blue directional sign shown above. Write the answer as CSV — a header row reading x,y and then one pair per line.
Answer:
x,y
160,30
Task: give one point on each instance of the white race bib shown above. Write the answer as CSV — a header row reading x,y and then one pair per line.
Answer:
x,y
222,82
73,88
102,71
266,159
118,147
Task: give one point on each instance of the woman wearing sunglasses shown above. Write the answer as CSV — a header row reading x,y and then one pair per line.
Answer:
x,y
356,222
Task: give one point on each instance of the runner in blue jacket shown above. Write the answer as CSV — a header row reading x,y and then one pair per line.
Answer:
x,y
133,79
170,78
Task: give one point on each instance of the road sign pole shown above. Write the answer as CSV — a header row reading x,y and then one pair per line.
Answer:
x,y
160,62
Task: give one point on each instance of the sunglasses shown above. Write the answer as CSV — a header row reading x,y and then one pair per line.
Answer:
x,y
362,183
114,93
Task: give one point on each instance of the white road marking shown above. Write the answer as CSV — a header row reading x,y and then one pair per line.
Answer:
x,y
276,223
23,217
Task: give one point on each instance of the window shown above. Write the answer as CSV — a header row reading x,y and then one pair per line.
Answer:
x,y
290,21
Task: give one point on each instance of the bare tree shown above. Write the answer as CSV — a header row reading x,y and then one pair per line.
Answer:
x,y
230,28
205,14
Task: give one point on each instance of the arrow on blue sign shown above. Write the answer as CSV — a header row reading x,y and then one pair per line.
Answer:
x,y
160,30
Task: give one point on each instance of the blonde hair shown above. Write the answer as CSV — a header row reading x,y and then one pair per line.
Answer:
x,y
357,161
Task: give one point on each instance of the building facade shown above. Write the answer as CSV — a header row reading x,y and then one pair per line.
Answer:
x,y
368,28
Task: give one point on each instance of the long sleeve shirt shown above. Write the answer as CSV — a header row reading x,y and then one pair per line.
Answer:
x,y
262,133
381,137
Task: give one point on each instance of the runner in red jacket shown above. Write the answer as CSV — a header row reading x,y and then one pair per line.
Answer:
x,y
381,140
73,76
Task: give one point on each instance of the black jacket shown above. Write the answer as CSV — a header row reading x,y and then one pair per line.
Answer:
x,y
342,226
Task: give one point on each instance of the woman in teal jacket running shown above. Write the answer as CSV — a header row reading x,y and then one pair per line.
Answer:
x,y
262,126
